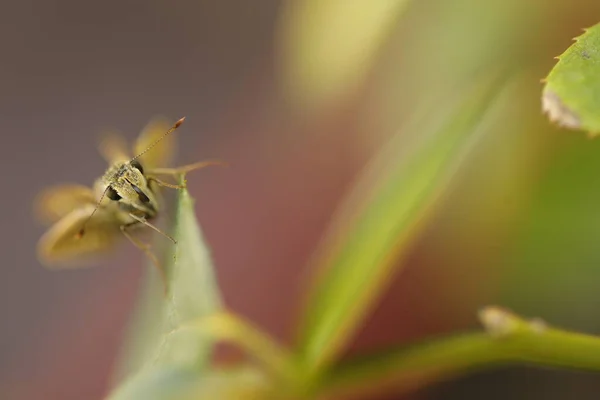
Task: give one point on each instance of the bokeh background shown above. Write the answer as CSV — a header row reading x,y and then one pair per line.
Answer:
x,y
521,227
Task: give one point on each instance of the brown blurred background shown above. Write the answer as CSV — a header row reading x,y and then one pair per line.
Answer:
x,y
520,229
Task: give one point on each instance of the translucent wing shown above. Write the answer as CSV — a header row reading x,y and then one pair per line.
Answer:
x,y
60,247
161,154
55,202
113,148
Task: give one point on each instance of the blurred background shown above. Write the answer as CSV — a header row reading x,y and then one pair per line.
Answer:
x,y
521,227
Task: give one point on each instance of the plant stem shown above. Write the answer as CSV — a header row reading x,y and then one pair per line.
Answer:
x,y
509,339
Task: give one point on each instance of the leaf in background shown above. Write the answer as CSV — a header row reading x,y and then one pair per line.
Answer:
x,y
571,96
193,294
357,260
327,46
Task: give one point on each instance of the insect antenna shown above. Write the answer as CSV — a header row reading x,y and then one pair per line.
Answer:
x,y
82,230
171,129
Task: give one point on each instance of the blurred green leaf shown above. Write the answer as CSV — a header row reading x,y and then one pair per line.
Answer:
x,y
177,383
357,260
192,293
571,96
327,46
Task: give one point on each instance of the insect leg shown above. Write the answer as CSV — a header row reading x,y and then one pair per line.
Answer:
x,y
149,225
166,184
185,168
147,249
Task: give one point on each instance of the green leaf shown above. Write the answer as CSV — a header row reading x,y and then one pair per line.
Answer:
x,y
328,46
177,383
571,96
192,293
170,379
359,257
193,288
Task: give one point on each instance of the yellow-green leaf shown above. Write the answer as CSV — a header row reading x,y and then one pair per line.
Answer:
x,y
358,259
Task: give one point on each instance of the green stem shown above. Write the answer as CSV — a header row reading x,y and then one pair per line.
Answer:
x,y
509,339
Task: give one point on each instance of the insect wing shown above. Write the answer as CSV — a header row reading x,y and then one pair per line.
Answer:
x,y
162,154
57,201
61,247
113,148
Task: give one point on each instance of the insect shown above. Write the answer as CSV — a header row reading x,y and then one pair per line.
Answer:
x,y
88,222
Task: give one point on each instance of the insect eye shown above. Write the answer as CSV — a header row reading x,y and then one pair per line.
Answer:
x,y
143,198
136,164
141,195
112,194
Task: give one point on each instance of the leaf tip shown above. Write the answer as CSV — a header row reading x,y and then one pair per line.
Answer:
x,y
558,112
